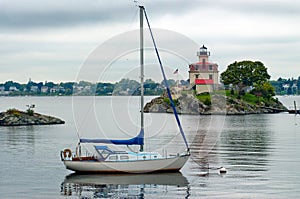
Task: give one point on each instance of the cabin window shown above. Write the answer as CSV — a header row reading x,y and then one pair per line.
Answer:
x,y
114,157
124,157
103,153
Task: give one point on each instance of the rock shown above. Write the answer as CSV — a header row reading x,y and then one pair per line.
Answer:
x,y
188,104
14,117
157,105
220,105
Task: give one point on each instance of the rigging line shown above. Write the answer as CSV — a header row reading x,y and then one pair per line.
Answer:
x,y
74,119
79,124
165,81
132,20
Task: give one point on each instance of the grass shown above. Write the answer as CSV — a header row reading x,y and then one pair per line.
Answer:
x,y
14,112
205,98
248,97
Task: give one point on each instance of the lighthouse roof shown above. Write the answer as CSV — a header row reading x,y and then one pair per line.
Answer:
x,y
203,47
206,63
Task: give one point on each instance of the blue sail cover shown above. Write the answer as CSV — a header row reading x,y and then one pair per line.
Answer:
x,y
138,140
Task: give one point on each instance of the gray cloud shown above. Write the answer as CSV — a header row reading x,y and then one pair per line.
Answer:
x,y
56,13
34,14
273,7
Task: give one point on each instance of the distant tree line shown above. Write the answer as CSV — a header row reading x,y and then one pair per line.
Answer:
x,y
288,86
123,87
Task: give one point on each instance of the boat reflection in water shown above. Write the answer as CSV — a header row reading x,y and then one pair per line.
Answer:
x,y
125,185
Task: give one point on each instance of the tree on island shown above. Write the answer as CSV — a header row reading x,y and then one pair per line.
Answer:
x,y
265,90
245,74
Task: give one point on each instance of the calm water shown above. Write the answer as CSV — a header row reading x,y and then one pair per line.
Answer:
x,y
260,152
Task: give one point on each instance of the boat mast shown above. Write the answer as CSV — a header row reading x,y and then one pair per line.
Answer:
x,y
142,68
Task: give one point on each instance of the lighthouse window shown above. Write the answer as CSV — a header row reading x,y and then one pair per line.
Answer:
x,y
210,67
210,77
196,76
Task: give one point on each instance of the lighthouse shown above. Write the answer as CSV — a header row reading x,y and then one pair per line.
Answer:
x,y
204,75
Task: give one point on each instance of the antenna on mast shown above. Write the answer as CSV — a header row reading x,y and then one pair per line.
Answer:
x,y
136,2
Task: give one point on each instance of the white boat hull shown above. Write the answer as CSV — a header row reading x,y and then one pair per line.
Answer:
x,y
139,166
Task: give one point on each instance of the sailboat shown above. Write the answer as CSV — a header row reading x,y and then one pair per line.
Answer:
x,y
107,160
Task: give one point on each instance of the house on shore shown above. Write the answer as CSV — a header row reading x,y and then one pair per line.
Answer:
x,y
204,75
44,89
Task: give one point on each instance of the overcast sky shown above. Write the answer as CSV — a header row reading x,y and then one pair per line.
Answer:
x,y
51,40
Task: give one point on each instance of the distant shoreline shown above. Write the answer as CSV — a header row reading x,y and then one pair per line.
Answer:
x,y
125,87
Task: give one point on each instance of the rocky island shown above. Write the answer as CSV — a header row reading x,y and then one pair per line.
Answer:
x,y
14,117
216,104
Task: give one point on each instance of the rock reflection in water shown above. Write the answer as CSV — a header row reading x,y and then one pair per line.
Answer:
x,y
125,185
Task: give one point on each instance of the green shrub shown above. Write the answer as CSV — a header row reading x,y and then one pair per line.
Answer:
x,y
230,101
30,112
168,101
207,101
